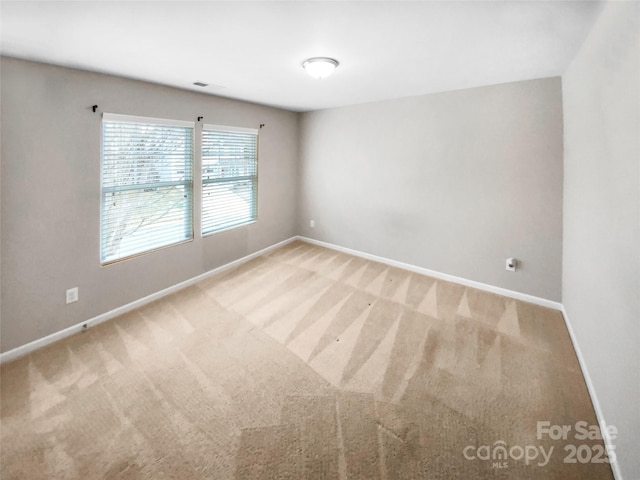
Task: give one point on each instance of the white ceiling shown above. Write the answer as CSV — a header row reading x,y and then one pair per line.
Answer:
x,y
254,50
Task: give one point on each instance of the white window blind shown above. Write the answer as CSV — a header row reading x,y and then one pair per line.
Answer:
x,y
229,177
147,185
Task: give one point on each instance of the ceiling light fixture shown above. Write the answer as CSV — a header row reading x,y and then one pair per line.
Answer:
x,y
320,67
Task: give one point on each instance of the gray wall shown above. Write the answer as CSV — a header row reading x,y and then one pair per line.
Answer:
x,y
51,195
601,264
454,182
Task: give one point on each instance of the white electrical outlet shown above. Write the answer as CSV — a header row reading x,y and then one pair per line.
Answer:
x,y
72,295
312,223
511,264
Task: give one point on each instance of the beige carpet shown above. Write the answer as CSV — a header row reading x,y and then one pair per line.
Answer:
x,y
304,363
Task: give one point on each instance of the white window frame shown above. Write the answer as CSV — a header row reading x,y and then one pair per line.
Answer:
x,y
207,180
156,242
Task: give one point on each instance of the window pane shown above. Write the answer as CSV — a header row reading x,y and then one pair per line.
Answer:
x,y
229,178
227,204
146,187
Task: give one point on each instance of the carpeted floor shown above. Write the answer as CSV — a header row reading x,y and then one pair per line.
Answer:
x,y
304,363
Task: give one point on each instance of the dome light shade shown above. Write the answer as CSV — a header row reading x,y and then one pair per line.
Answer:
x,y
320,67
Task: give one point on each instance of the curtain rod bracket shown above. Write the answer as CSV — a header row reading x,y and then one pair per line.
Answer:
x,y
200,118
94,108
262,125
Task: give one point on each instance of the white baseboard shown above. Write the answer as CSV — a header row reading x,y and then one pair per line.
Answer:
x,y
54,337
602,424
442,276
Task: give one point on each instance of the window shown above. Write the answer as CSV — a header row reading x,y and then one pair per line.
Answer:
x,y
147,185
229,177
